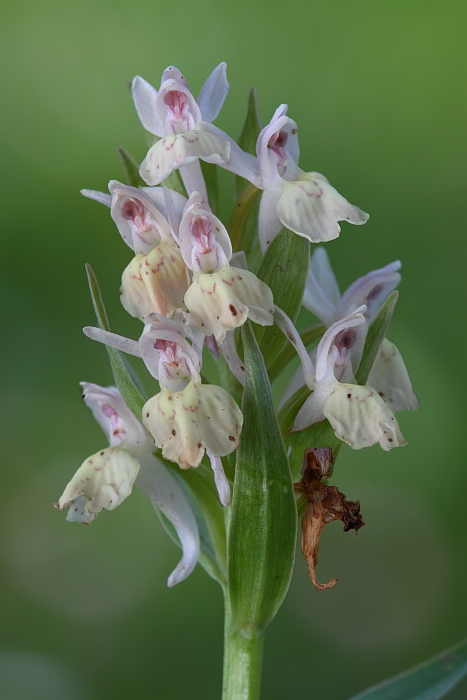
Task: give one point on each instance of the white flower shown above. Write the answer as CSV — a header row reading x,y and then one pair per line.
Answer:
x,y
105,479
180,121
186,418
185,423
222,301
357,414
303,202
140,214
204,242
322,297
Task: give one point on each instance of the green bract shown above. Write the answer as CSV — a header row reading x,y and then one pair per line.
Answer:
x,y
263,522
283,268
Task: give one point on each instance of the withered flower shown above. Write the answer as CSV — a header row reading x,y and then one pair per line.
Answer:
x,y
324,504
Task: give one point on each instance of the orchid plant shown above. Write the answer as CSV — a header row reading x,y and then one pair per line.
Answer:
x,y
228,473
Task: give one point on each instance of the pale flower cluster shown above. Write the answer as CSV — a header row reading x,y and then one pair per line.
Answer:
x,y
191,294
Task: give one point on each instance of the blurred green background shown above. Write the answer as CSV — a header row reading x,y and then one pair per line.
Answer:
x,y
378,91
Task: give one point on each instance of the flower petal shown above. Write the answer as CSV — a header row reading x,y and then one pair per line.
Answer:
x,y
100,197
288,329
311,207
360,417
119,342
104,480
140,222
220,479
243,164
230,355
269,223
184,423
144,97
222,301
278,150
312,410
213,93
322,295
118,422
371,290
204,242
173,152
165,493
391,380
155,283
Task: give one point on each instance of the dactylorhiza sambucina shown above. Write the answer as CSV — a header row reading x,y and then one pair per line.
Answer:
x,y
196,280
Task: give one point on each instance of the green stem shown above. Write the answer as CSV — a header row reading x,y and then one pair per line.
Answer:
x,y
243,656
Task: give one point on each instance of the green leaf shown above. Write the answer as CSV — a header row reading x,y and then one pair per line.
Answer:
x,y
261,540
283,268
249,135
240,228
430,680
376,334
288,352
210,174
131,169
123,380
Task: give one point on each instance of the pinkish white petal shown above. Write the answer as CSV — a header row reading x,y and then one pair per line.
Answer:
x,y
239,162
321,295
100,197
145,97
176,108
165,493
371,290
204,242
168,356
140,222
118,422
230,355
213,93
327,351
119,342
287,327
277,149
269,223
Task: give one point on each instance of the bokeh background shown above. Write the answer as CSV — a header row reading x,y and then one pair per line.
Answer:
x,y
378,91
